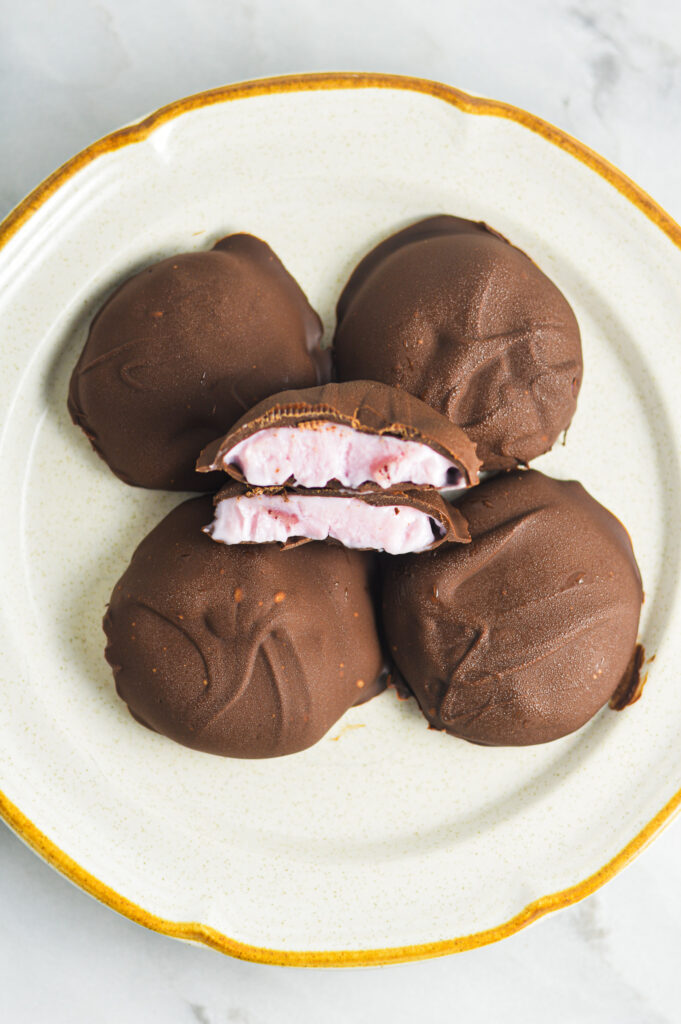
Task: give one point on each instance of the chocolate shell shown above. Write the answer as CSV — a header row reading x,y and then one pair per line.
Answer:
x,y
443,522
181,350
450,311
521,636
364,406
241,651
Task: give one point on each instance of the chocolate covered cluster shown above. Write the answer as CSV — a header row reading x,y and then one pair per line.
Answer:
x,y
343,511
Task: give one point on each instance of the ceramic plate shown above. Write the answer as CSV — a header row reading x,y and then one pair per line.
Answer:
x,y
385,841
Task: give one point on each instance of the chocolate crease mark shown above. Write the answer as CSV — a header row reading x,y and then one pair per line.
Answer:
x,y
500,536
277,689
107,356
567,637
481,299
566,592
181,629
500,406
256,641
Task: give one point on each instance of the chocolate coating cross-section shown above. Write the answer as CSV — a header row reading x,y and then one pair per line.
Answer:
x,y
245,651
181,350
450,311
392,521
522,635
346,414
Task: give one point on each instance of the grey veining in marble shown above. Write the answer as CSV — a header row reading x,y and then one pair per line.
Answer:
x,y
609,71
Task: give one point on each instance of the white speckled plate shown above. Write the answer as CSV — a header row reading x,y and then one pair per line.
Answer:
x,y
386,841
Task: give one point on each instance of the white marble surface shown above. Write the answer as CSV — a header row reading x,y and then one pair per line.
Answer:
x,y
609,71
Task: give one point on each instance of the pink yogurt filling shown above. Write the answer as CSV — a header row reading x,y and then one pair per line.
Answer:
x,y
396,529
312,456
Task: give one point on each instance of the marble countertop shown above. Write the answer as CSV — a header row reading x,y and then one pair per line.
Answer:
x,y
608,71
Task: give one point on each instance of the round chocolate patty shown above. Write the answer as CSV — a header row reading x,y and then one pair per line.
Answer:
x,y
181,350
246,651
522,635
450,311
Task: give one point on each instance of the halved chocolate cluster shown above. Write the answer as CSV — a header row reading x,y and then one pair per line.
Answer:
x,y
359,463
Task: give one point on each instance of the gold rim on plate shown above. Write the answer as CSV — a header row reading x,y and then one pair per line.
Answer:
x,y
194,931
